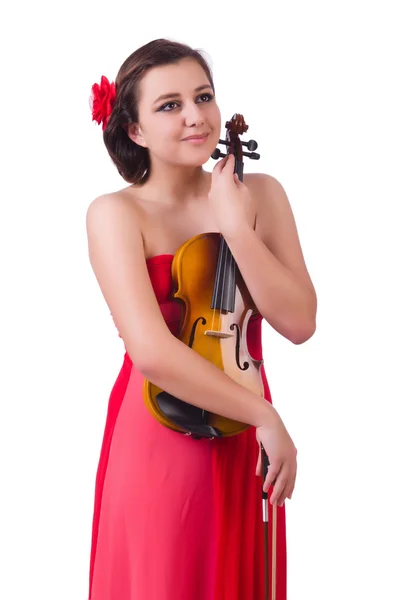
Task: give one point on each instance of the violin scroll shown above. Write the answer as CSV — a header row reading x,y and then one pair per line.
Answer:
x,y
235,127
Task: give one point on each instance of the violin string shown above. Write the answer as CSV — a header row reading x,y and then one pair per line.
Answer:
x,y
217,278
222,269
222,260
210,340
274,556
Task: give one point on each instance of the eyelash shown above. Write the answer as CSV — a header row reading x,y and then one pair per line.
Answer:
x,y
210,97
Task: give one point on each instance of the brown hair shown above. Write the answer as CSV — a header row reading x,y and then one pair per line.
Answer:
x,y
132,161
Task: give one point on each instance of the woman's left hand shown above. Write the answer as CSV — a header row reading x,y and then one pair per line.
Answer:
x,y
230,199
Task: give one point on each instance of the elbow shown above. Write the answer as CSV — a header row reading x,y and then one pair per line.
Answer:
x,y
306,328
303,335
148,358
149,366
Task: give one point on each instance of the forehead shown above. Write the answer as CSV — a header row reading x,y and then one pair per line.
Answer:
x,y
182,77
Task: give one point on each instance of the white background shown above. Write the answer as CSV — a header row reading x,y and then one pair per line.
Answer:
x,y
315,81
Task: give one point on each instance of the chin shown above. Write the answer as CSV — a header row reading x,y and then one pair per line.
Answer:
x,y
200,161
197,157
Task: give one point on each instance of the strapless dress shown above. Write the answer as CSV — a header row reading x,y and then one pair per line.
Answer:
x,y
176,518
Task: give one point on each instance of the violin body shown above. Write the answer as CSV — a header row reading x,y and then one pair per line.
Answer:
x,y
217,334
216,308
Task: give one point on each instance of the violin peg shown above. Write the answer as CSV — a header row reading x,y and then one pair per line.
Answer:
x,y
217,154
251,145
253,155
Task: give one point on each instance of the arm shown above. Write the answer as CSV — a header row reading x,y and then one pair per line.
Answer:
x,y
275,272
118,260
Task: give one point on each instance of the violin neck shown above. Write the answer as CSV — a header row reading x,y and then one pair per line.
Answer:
x,y
224,294
239,168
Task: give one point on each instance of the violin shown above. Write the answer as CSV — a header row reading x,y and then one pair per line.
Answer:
x,y
216,308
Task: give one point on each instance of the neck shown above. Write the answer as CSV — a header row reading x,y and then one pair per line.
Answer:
x,y
176,185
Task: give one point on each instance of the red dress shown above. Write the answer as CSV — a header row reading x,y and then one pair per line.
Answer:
x,y
177,518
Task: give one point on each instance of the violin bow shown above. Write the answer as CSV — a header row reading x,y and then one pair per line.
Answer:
x,y
265,502
235,127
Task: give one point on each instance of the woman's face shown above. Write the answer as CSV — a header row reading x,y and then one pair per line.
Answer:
x,y
177,101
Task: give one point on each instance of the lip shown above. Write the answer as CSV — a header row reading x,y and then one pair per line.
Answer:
x,y
197,138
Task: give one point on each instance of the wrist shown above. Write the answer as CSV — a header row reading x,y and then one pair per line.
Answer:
x,y
265,415
241,232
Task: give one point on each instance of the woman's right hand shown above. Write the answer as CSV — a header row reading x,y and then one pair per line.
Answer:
x,y
282,453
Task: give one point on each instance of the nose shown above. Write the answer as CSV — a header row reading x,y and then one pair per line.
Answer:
x,y
193,115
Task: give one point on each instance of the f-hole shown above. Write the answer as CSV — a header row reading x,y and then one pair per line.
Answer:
x,y
193,332
246,364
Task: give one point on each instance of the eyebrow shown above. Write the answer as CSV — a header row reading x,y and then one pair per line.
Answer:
x,y
176,94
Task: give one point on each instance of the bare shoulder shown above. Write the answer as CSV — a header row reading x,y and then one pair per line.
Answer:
x,y
114,202
271,204
112,215
261,187
116,212
117,256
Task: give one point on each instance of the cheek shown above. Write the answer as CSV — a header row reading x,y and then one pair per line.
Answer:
x,y
216,121
169,131
161,136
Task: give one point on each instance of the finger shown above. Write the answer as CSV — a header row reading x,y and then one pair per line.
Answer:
x,y
284,483
228,167
217,170
280,485
280,499
291,486
283,494
227,163
289,491
219,165
258,470
271,476
231,161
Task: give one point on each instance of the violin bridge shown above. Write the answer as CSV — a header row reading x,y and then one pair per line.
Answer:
x,y
218,334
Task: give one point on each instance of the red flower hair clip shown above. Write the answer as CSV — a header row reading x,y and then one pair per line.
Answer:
x,y
101,101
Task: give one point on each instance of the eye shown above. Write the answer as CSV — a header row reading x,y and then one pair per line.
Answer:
x,y
163,108
209,96
168,106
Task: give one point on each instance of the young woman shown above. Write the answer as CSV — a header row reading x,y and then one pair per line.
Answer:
x,y
177,518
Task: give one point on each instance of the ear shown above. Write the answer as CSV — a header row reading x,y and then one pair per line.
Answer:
x,y
135,134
